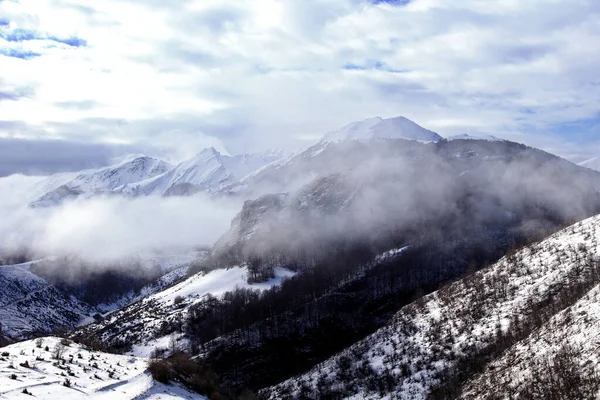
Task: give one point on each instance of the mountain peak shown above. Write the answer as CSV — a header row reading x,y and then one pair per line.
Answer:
x,y
379,128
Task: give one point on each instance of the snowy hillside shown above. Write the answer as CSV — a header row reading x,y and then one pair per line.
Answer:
x,y
379,128
30,305
561,355
433,344
51,369
150,322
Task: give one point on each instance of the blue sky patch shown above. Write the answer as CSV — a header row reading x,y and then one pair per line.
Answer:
x,y
23,35
378,65
392,2
22,54
72,41
19,35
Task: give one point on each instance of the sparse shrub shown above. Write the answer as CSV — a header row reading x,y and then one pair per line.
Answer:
x,y
59,351
178,300
39,342
67,383
160,370
25,391
13,377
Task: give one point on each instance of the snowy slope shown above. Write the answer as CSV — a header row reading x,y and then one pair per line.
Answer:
x,y
379,128
103,180
209,170
29,304
143,323
91,374
592,163
568,343
431,343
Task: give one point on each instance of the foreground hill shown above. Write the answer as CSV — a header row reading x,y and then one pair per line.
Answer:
x,y
497,333
51,368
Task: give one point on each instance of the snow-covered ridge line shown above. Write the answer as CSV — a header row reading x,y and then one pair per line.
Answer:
x,y
428,341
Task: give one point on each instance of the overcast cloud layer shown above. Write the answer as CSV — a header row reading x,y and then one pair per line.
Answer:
x,y
249,75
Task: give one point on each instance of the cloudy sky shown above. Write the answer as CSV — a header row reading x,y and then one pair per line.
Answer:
x,y
97,79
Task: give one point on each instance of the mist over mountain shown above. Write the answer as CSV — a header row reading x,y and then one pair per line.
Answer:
x,y
265,266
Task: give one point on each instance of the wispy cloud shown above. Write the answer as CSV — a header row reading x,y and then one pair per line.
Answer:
x,y
269,73
22,54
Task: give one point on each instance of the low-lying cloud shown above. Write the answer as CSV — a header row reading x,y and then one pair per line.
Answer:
x,y
108,228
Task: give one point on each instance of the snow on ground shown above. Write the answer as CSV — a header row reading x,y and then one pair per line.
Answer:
x,y
79,374
174,266
218,282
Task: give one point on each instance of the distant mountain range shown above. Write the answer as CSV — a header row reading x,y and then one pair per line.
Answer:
x,y
211,171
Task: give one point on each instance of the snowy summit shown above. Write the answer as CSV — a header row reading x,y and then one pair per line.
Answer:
x,y
380,128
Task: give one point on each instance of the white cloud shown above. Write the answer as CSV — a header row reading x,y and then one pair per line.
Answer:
x,y
108,228
268,73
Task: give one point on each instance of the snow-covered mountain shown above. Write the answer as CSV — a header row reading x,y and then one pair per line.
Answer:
x,y
592,163
208,171
324,191
510,327
102,181
379,128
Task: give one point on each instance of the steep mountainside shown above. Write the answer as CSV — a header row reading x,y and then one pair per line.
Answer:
x,y
30,305
492,326
368,191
